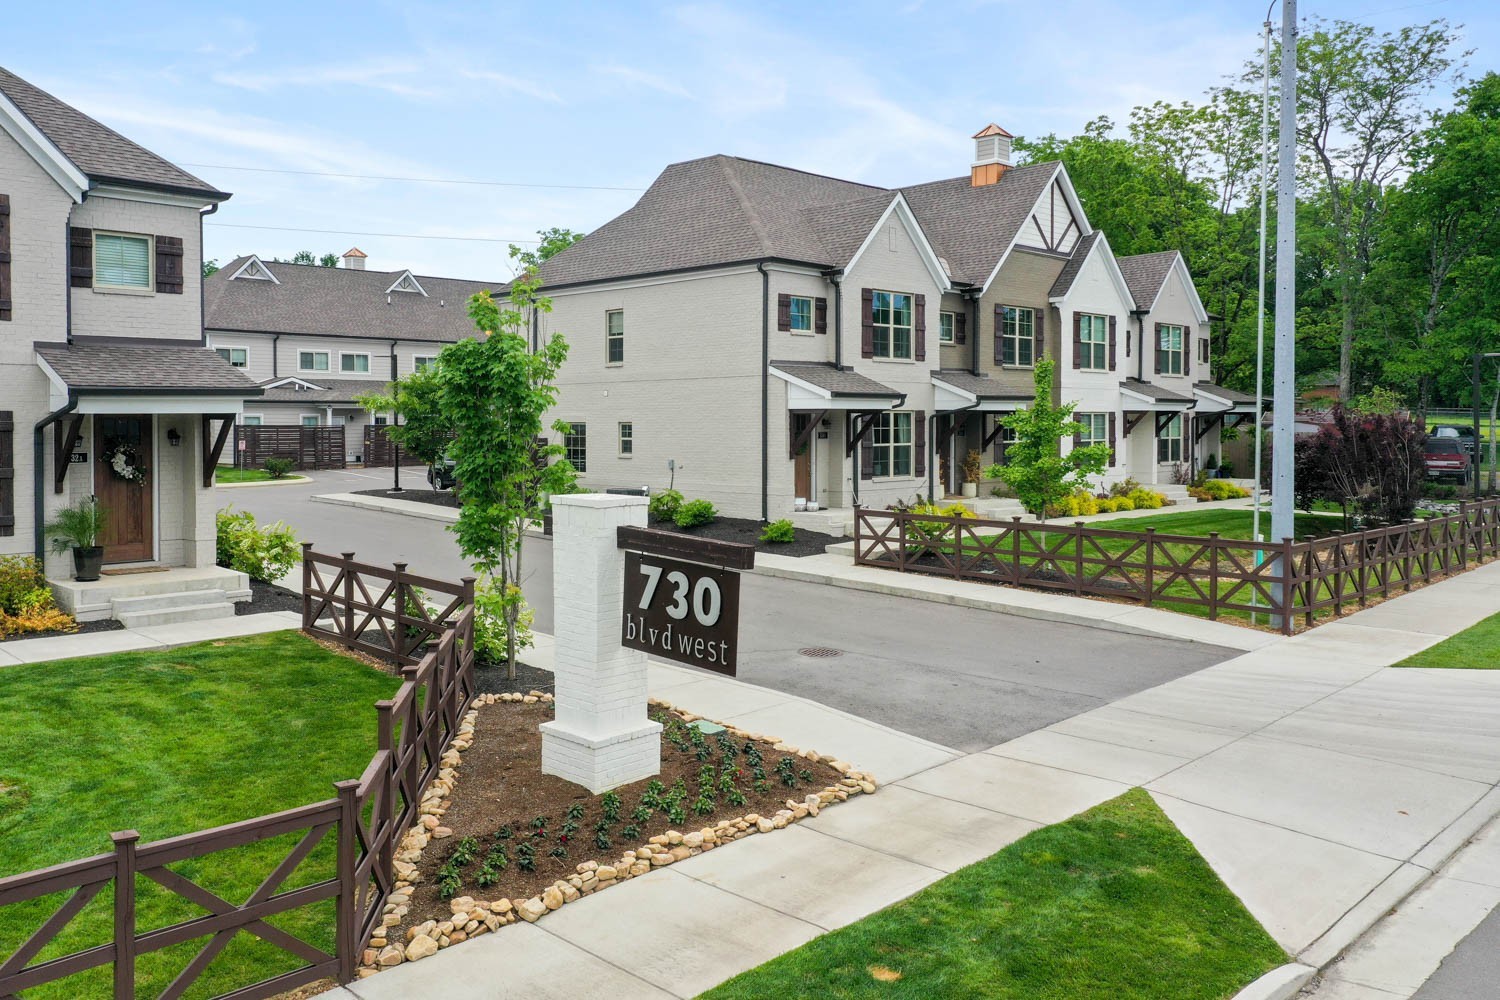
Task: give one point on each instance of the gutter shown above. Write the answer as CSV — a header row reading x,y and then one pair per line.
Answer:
x,y
202,289
973,297
275,362
765,392
836,278
1140,355
38,474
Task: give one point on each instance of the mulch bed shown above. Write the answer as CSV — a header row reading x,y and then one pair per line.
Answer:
x,y
440,498
265,597
747,530
501,800
84,628
491,679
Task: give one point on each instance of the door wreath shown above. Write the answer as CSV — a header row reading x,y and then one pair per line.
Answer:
x,y
124,461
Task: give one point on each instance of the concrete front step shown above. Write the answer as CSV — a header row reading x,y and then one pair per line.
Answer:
x,y
95,600
172,615
179,599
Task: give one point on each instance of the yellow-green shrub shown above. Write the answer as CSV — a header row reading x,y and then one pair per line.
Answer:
x,y
1219,489
1144,499
1124,503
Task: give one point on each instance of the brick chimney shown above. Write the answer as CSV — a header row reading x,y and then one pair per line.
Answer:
x,y
354,259
991,155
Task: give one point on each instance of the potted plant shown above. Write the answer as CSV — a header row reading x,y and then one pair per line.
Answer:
x,y
1226,469
1211,466
973,472
78,528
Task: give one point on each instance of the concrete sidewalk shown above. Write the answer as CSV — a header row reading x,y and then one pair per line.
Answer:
x,y
1321,786
125,640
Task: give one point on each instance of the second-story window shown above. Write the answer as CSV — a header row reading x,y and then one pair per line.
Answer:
x,y
1093,342
237,356
1017,336
945,328
354,364
614,337
312,361
422,362
1169,350
576,446
892,313
122,261
801,312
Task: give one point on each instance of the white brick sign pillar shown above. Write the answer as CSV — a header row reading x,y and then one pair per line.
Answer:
x,y
600,736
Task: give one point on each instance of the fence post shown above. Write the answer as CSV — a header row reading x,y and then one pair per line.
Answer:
x,y
348,568
385,801
125,842
1463,535
1361,567
1150,566
398,607
347,942
306,584
1287,597
465,654
1213,576
901,540
1015,546
1078,558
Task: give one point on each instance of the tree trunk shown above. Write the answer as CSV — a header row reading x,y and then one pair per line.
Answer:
x,y
1346,333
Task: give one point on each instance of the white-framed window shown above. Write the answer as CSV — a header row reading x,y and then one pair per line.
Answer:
x,y
892,313
354,364
423,361
1169,349
312,361
1169,441
892,439
236,356
801,308
1093,342
576,446
1203,351
614,337
311,420
627,439
250,420
122,260
945,328
1017,336
1095,428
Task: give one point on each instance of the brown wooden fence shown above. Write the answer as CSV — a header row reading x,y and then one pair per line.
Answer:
x,y
308,447
366,817
1287,579
379,450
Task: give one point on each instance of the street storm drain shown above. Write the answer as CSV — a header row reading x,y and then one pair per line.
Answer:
x,y
820,652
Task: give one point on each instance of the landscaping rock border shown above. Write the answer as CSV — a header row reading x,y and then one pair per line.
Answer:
x,y
472,917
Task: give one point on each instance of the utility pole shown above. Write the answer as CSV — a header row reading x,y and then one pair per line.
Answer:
x,y
1284,375
1260,278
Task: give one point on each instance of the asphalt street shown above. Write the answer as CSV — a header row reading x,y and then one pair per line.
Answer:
x,y
965,678
1472,971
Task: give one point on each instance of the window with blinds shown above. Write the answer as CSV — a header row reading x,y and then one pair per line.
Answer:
x,y
122,261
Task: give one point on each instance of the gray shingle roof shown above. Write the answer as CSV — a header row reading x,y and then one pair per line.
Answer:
x,y
330,390
1229,395
838,381
337,302
100,152
970,227
165,368
1156,392
1074,266
1144,274
981,386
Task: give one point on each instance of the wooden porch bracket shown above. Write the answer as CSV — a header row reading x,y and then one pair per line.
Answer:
x,y
955,425
212,452
860,430
804,435
994,432
65,442
1164,417
1241,419
1206,424
1132,417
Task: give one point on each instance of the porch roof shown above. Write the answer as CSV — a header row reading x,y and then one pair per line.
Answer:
x,y
813,385
1217,399
963,390
322,391
1140,395
109,376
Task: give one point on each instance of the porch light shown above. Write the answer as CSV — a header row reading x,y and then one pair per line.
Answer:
x,y
173,438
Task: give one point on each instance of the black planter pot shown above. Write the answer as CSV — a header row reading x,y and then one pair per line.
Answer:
x,y
87,562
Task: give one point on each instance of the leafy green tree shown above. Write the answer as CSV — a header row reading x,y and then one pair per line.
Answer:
x,y
329,260
307,257
553,242
210,266
1035,466
421,428
496,392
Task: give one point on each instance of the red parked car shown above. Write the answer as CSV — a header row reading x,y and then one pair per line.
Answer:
x,y
1446,458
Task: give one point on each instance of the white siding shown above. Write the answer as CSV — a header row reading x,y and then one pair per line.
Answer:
x,y
1094,292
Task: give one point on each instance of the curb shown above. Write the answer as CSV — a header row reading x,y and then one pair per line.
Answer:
x,y
284,481
426,511
1279,984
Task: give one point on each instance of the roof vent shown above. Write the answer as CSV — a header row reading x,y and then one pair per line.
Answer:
x,y
354,259
991,155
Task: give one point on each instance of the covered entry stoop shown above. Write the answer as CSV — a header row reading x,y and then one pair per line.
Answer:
x,y
155,597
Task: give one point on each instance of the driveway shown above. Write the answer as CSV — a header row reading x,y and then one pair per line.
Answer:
x,y
962,677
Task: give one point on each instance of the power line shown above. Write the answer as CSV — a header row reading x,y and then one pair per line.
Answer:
x,y
414,180
353,232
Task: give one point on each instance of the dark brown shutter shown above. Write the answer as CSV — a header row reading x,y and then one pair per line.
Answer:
x,y
1000,335
783,312
920,331
1078,434
1158,348
1039,334
1187,352
81,257
169,265
867,323
960,328
1111,437
5,291
866,453
1111,346
1077,341
919,444
7,474
820,315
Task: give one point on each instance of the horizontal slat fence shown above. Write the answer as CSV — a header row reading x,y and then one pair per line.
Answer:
x,y
1287,579
308,447
366,818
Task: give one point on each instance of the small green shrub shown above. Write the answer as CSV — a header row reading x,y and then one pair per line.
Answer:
x,y
263,553
491,632
665,505
696,513
1124,487
20,578
1144,499
276,468
779,532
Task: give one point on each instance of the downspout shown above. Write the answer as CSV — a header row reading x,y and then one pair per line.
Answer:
x,y
1140,355
275,360
765,392
38,472
836,277
202,299
973,297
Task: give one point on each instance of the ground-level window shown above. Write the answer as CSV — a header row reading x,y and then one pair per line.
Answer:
x,y
1169,350
250,420
122,261
945,328
1169,441
1095,428
1093,342
627,439
1017,336
357,364
310,420
614,337
576,446
892,437
312,361
892,314
801,311
421,362
237,356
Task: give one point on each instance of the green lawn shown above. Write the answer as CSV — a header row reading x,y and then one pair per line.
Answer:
x,y
1228,523
170,742
1475,648
1114,904
229,474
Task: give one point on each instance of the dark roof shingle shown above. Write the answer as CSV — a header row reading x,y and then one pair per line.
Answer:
x,y
1158,393
1228,395
330,390
981,386
837,381
1074,266
970,227
167,368
1144,274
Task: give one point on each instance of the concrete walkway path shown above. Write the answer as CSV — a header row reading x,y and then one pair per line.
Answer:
x,y
125,640
1321,786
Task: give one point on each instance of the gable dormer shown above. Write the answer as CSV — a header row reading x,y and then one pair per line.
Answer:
x,y
1056,222
254,269
407,283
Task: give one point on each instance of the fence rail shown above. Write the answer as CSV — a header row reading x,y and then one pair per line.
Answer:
x,y
1286,580
308,447
366,818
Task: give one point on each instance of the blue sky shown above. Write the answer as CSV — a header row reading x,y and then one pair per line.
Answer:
x,y
605,95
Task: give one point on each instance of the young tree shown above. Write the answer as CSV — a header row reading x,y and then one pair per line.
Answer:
x,y
495,392
1035,466
421,428
553,242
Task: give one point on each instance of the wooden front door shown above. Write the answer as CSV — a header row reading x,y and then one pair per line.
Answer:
x,y
802,462
127,505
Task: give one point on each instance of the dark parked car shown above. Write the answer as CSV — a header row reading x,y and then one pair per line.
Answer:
x,y
1463,433
1446,458
440,476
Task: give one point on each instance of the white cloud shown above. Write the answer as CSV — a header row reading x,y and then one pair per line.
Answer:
x,y
515,84
389,76
651,81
